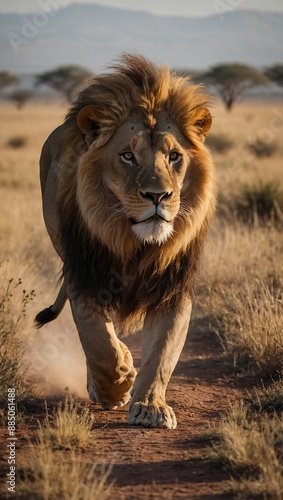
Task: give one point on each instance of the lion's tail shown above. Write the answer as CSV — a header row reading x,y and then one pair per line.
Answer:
x,y
51,313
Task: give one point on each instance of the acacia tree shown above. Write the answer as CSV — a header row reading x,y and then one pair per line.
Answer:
x,y
232,80
64,79
20,97
275,74
7,79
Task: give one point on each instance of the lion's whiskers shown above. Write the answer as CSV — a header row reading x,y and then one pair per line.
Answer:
x,y
185,211
120,212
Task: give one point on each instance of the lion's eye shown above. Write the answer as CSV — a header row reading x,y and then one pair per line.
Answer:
x,y
127,156
174,156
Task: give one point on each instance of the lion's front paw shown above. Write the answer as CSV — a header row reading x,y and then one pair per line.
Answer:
x,y
107,404
152,415
111,394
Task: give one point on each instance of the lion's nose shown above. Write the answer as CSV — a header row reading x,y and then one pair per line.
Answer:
x,y
156,198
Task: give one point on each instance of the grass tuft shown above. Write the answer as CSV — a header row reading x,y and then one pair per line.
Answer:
x,y
261,202
17,142
252,328
262,149
69,426
270,399
47,475
252,451
48,472
220,143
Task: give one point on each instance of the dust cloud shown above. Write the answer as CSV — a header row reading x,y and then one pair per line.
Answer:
x,y
55,358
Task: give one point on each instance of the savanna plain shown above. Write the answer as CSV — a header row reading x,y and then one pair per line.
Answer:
x,y
227,389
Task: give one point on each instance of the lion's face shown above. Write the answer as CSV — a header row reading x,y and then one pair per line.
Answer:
x,y
145,170
144,181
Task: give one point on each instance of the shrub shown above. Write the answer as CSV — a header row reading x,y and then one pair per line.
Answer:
x,y
12,345
261,202
262,148
219,142
16,142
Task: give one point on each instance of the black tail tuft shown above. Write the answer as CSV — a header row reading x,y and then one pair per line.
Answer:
x,y
44,317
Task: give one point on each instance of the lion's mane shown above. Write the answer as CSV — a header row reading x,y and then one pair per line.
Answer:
x,y
111,266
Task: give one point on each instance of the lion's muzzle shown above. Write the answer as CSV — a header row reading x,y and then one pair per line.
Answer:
x,y
153,230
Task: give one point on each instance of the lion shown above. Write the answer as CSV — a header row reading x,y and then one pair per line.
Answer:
x,y
128,191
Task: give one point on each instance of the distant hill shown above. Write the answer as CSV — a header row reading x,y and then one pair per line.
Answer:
x,y
93,36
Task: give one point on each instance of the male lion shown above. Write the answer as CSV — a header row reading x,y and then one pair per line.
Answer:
x,y
128,192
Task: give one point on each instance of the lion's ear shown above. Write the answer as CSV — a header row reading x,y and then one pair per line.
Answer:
x,y
95,124
203,121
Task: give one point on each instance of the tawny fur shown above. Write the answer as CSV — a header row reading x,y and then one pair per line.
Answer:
x,y
98,243
128,192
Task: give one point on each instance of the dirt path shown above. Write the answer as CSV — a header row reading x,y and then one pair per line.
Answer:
x,y
161,464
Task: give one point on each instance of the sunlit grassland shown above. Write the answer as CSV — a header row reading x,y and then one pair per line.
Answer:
x,y
50,472
239,295
240,260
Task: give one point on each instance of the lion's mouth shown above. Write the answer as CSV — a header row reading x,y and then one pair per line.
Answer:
x,y
153,218
132,221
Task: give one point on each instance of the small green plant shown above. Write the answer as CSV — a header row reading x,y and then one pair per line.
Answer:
x,y
260,203
262,149
69,426
17,142
220,143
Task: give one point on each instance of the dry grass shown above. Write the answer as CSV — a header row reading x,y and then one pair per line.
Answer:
x,y
252,451
258,203
220,143
13,304
253,326
69,426
239,296
50,474
270,399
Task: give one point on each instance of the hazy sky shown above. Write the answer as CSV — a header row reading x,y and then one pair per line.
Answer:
x,y
166,7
